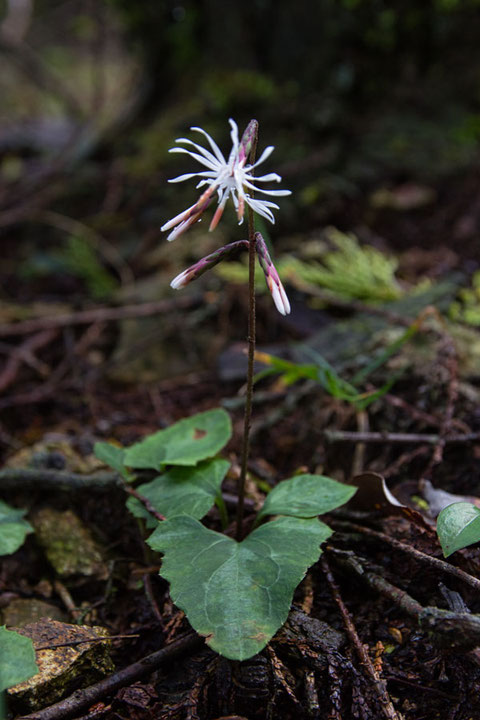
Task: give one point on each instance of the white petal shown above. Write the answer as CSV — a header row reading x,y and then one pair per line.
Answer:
x,y
179,281
212,142
187,176
234,134
260,207
266,153
271,177
275,193
204,182
177,219
206,153
280,299
199,158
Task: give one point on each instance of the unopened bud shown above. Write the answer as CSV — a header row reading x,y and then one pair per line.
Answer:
x,y
209,261
248,141
274,283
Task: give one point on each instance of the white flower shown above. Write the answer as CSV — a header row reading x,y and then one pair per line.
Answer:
x,y
232,177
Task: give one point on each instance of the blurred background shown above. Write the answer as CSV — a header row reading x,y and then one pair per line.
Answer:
x,y
374,111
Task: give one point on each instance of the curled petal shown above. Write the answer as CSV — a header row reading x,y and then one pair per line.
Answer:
x,y
234,134
199,158
187,176
203,151
271,177
265,154
212,143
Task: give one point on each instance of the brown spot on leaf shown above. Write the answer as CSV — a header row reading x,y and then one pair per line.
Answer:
x,y
199,434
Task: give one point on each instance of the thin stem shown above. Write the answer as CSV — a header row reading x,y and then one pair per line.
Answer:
x,y
251,354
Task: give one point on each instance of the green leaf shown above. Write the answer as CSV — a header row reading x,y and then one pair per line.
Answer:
x,y
458,525
17,658
237,594
13,529
306,496
182,490
113,456
185,443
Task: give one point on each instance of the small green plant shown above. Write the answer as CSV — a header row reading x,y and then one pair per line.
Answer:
x,y
235,592
325,375
458,525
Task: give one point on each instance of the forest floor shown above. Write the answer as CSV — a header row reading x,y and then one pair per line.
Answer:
x,y
366,637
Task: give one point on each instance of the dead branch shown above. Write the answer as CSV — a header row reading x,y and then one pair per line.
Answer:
x,y
397,438
379,684
26,354
417,554
100,314
81,699
28,478
448,629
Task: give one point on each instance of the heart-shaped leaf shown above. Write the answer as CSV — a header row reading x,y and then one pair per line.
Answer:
x,y
306,496
182,490
237,594
458,525
185,443
113,456
17,658
13,528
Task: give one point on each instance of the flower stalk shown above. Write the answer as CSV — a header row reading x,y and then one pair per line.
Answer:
x,y
233,178
249,140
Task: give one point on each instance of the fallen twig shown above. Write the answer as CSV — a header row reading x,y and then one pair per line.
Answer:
x,y
99,314
81,699
397,438
16,478
379,683
73,643
417,554
460,630
26,354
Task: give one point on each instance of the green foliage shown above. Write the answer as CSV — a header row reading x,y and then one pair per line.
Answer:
x,y
113,456
306,496
352,270
237,594
466,308
79,259
323,373
184,443
458,525
17,658
183,490
13,529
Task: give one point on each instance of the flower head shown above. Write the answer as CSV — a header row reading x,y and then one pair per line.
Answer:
x,y
228,178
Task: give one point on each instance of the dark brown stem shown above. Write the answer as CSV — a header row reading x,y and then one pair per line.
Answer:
x,y
251,355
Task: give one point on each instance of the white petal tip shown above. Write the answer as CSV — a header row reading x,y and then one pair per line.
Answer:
x,y
280,299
